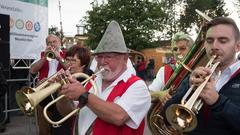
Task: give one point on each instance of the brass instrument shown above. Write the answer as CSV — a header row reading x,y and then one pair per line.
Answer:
x,y
50,55
195,56
183,116
203,15
87,78
28,98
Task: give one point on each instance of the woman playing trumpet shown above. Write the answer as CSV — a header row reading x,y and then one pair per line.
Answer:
x,y
77,59
220,96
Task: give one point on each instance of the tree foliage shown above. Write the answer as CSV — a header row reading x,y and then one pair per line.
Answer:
x,y
189,18
144,22
139,19
237,3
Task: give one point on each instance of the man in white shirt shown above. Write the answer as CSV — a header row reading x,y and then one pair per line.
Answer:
x,y
47,68
219,95
122,99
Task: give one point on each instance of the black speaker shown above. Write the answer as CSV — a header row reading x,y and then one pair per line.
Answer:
x,y
4,28
4,43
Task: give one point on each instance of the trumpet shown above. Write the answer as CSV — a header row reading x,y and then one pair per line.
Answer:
x,y
50,55
183,116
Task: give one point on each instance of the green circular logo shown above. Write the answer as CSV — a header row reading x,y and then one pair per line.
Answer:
x,y
19,24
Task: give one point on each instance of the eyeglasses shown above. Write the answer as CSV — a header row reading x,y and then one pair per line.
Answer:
x,y
107,57
72,60
175,49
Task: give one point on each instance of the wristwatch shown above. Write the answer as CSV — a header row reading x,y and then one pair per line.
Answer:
x,y
83,99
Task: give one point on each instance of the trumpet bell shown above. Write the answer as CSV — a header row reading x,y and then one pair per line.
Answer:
x,y
50,55
181,118
23,100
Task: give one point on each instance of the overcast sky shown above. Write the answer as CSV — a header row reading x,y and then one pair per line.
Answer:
x,y
73,10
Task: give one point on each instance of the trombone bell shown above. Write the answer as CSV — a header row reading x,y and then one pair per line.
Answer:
x,y
181,118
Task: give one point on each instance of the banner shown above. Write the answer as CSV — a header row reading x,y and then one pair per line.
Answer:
x,y
28,27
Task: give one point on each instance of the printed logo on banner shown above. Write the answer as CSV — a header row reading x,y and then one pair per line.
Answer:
x,y
37,26
19,24
29,25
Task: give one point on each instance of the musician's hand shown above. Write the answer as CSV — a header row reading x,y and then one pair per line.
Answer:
x,y
57,55
57,77
209,93
48,48
198,75
72,90
166,98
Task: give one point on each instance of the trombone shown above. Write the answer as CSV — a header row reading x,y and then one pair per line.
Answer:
x,y
183,116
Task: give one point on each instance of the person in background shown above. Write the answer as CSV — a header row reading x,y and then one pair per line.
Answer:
x,y
220,95
141,68
47,68
180,44
150,68
122,99
78,58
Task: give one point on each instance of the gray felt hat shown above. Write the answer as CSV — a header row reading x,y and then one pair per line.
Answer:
x,y
112,40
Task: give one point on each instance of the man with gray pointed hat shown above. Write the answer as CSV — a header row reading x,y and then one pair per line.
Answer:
x,y
122,99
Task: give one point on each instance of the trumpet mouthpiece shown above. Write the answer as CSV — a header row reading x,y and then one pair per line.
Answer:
x,y
101,69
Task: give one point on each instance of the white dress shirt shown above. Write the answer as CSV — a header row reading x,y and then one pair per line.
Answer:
x,y
158,82
226,75
135,101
